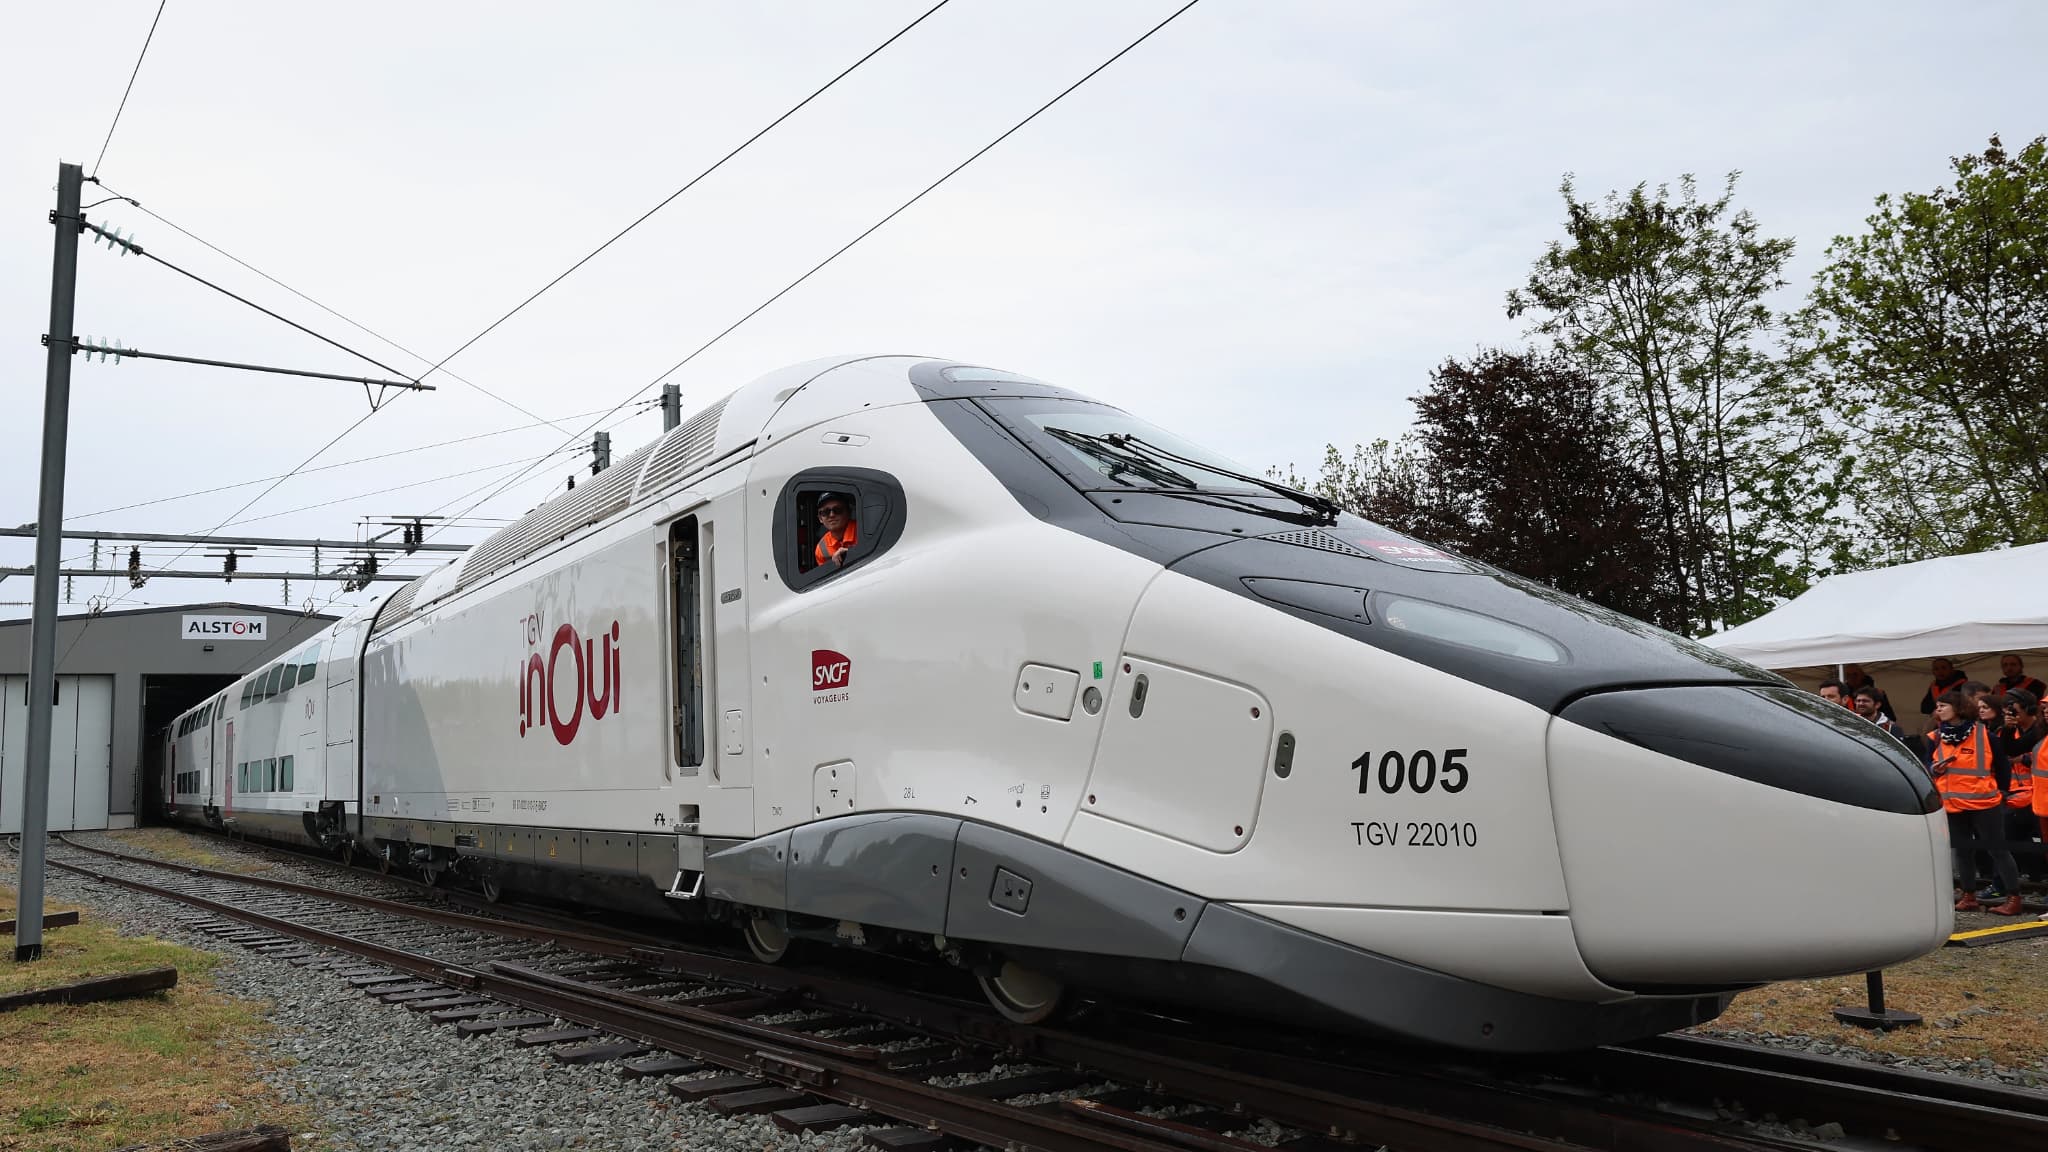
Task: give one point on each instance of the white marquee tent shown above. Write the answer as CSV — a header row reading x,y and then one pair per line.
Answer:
x,y
1893,621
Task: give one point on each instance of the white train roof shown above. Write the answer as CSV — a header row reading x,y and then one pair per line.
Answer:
x,y
728,425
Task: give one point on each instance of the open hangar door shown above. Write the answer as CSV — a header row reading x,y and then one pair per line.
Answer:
x,y
81,752
164,698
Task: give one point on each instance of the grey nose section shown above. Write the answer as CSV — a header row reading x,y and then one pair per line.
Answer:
x,y
1780,737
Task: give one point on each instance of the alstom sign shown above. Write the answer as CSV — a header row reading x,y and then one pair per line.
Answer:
x,y
224,627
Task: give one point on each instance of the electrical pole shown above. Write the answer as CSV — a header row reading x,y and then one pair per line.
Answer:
x,y
601,452
671,406
42,679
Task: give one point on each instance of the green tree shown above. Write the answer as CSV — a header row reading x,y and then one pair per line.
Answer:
x,y
1389,482
1929,337
1512,461
1662,300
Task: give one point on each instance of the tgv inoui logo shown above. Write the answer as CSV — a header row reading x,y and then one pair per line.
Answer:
x,y
593,683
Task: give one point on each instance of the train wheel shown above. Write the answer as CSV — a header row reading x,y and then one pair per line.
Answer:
x,y
384,863
348,853
1024,995
767,940
492,888
430,876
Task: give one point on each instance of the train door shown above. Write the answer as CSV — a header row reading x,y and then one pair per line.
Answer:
x,y
339,758
694,767
226,772
209,765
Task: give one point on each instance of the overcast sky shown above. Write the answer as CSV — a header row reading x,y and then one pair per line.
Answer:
x,y
1260,229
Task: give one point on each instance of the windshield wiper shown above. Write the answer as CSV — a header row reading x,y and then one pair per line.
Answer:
x,y
1121,459
1244,505
1324,509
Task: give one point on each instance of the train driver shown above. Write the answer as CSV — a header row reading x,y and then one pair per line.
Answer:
x,y
841,530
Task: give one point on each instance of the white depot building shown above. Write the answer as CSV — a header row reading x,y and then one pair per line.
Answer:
x,y
121,677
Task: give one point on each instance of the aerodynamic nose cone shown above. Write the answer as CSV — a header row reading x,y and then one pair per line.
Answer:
x,y
1732,835
1780,737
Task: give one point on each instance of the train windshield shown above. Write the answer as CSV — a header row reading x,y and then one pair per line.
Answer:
x,y
1116,449
1098,447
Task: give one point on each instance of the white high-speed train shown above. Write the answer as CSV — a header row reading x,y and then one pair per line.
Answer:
x,y
1081,706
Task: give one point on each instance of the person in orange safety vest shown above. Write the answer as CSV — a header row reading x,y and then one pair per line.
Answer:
x,y
2019,737
842,531
1946,676
1964,761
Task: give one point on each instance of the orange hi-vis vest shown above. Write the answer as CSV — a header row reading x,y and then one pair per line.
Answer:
x,y
833,541
2040,768
2021,795
1935,687
1963,773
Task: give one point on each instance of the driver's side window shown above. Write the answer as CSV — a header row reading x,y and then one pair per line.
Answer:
x,y
829,521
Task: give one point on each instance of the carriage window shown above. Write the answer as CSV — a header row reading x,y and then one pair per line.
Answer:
x,y
308,661
832,520
291,678
271,686
248,690
284,774
270,774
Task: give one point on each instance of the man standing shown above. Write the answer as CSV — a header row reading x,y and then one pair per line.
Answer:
x,y
1946,676
1866,704
2015,676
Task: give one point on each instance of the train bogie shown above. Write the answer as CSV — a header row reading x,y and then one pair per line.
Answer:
x,y
1075,704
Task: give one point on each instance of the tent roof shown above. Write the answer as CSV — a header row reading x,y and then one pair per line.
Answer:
x,y
1980,602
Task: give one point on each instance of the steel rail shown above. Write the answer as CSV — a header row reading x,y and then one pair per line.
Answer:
x,y
1924,1109
820,1067
1936,1112
858,1075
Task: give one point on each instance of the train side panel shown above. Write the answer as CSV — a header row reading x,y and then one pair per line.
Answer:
x,y
542,701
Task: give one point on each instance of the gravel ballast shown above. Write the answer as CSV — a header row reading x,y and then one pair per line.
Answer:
x,y
385,1079
382,1077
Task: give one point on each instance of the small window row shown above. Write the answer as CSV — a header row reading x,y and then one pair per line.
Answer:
x,y
272,774
281,678
188,783
196,720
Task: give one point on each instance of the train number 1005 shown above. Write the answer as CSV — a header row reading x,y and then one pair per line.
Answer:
x,y
1416,772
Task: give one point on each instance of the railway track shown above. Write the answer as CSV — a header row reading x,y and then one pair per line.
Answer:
x,y
924,1069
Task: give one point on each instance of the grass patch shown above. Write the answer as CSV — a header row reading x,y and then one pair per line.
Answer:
x,y
89,949
182,848
99,1076
1978,1003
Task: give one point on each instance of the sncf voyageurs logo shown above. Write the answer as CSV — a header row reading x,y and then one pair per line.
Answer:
x,y
831,672
566,676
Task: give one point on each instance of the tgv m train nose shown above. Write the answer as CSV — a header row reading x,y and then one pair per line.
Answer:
x,y
1737,834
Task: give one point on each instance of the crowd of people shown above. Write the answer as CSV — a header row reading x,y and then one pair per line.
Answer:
x,y
1982,745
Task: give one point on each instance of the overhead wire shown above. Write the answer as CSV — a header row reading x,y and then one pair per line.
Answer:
x,y
384,491
600,248
565,446
350,321
872,228
140,56
693,181
148,255
329,467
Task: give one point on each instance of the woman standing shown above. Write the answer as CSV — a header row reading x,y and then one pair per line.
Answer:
x,y
1965,771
